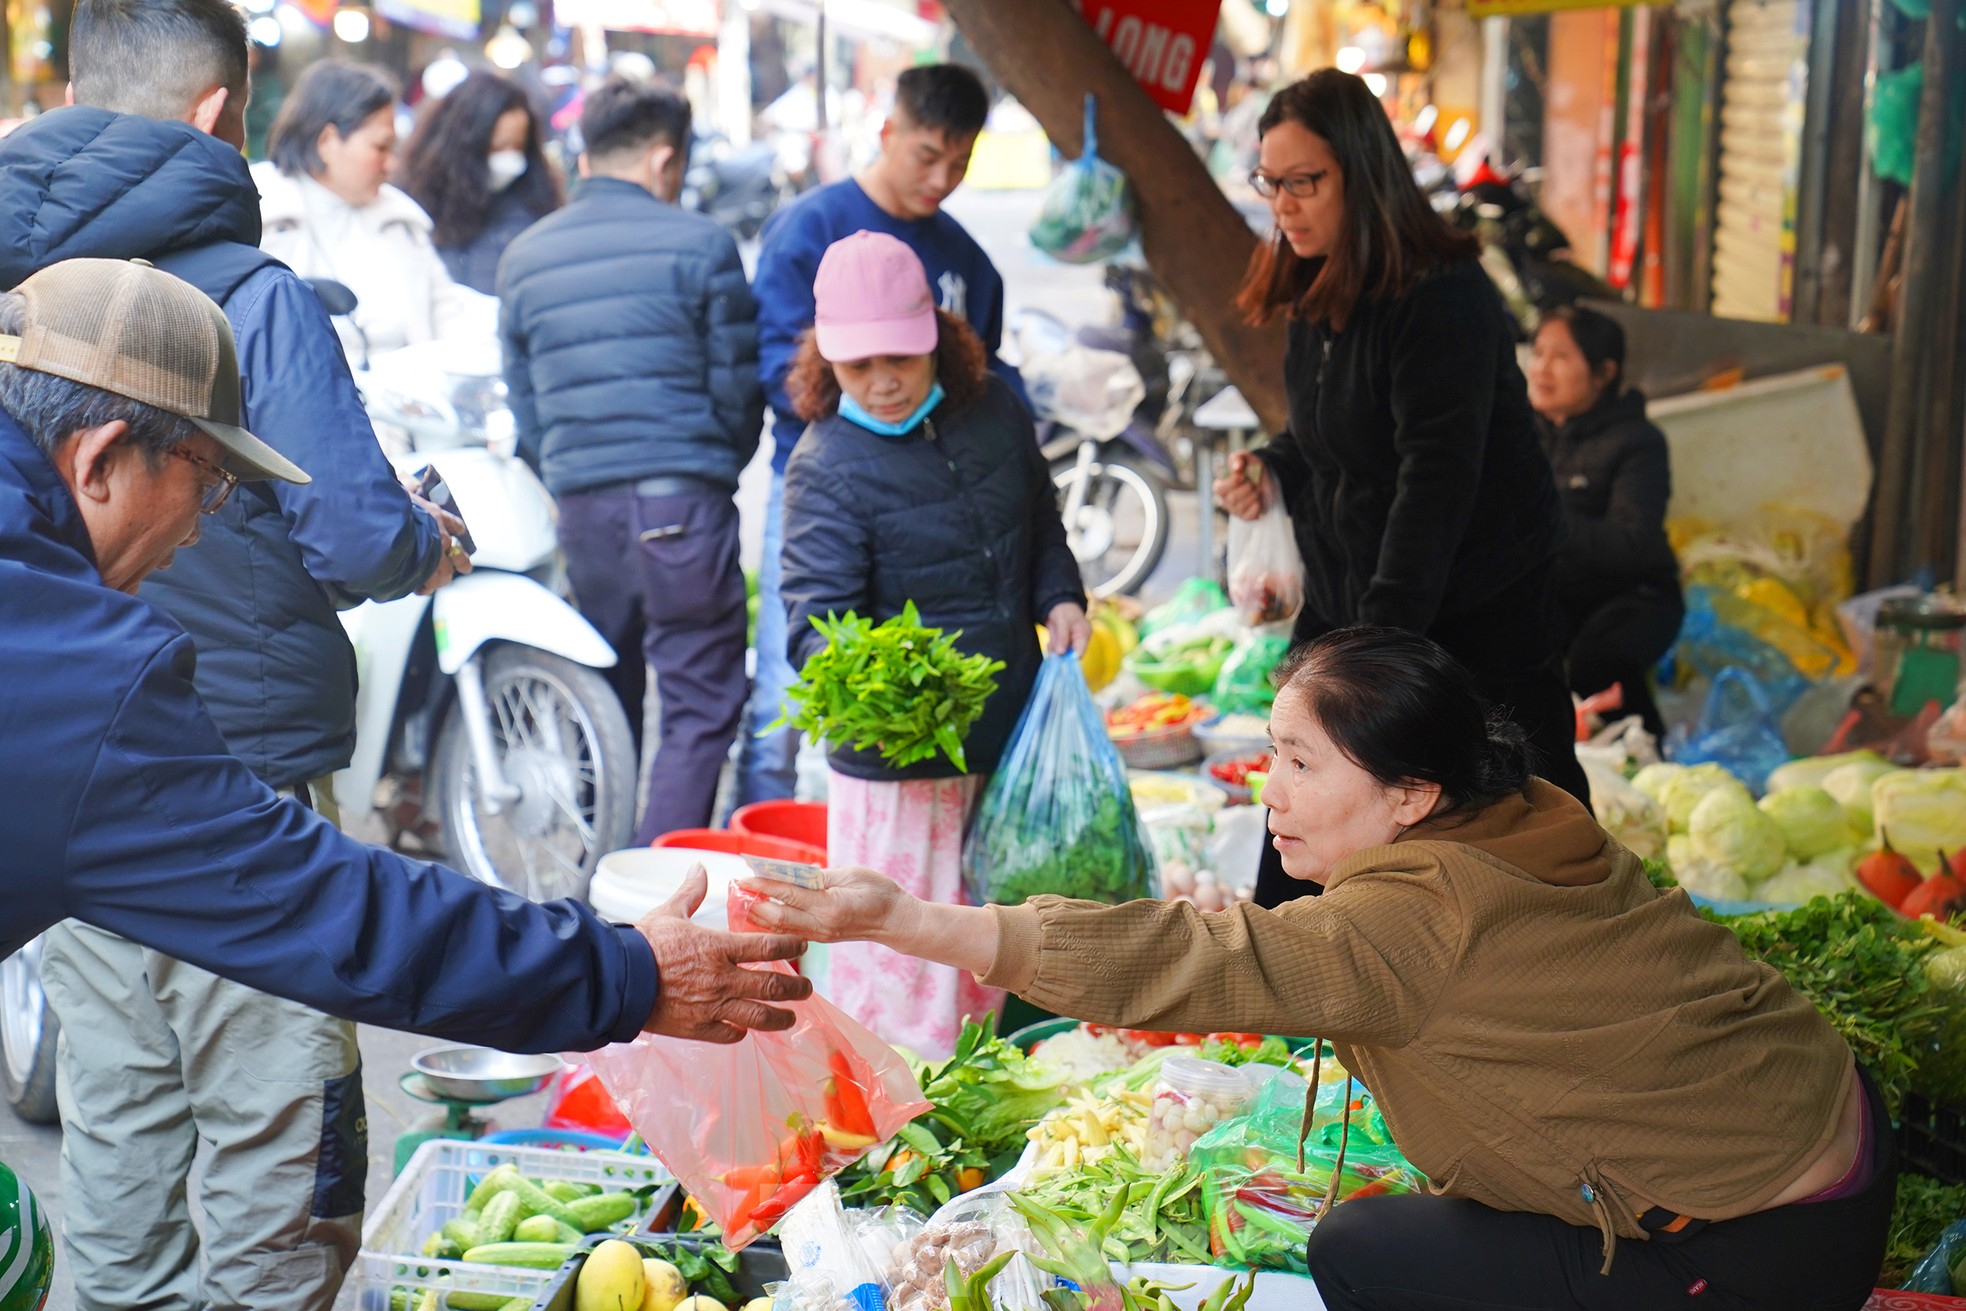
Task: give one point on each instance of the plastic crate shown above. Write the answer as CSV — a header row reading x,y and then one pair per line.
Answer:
x,y
416,1276
433,1188
1932,1139
762,1263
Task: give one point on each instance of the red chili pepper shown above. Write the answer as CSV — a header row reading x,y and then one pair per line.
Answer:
x,y
1373,1189
789,1194
852,1115
751,1176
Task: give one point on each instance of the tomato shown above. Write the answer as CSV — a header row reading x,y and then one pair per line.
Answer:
x,y
1148,1037
1246,1041
1187,1040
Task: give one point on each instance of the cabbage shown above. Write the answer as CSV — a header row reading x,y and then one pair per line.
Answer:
x,y
1850,784
1842,862
1696,875
1729,831
1810,771
1653,778
1627,814
1810,820
1685,790
1922,812
1798,883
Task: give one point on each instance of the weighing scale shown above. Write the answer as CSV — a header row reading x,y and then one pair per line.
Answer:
x,y
464,1080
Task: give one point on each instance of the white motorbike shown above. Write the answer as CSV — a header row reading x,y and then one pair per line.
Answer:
x,y
489,689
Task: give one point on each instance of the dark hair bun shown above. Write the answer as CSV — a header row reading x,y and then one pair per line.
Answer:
x,y
1507,761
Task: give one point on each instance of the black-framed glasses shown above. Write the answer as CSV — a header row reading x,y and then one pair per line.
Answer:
x,y
215,493
1301,186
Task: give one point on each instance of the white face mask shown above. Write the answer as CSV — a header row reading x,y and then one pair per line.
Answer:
x,y
507,167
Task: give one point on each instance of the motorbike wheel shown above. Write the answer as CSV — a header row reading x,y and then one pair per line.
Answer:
x,y
1121,532
562,738
28,1033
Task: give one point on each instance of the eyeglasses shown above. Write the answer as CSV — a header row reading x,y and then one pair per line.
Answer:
x,y
1300,186
215,493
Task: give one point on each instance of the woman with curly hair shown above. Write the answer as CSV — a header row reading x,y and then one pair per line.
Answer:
x,y
477,164
918,480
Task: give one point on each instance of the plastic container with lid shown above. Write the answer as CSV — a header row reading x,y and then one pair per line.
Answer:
x,y
629,884
1192,1097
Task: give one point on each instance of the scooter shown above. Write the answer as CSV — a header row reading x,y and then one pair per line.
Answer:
x,y
739,186
489,690
1526,253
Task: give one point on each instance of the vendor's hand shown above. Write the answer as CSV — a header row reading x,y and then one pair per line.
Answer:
x,y
857,905
1236,493
1070,629
453,561
703,989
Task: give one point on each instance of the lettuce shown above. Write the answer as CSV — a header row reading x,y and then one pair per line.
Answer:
x,y
1851,786
1683,791
1729,831
1810,771
1923,812
1811,821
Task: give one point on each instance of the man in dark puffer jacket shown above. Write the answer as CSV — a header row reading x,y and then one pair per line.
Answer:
x,y
156,1053
631,355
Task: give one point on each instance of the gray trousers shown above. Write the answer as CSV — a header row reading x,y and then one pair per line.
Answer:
x,y
157,1056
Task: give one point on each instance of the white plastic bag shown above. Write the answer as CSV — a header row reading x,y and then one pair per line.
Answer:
x,y
1266,574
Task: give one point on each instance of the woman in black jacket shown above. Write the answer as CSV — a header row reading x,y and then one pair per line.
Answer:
x,y
1411,468
919,480
477,164
1617,580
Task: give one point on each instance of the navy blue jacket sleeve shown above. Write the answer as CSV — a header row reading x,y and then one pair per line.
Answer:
x,y
358,532
176,846
731,320
828,560
788,263
517,358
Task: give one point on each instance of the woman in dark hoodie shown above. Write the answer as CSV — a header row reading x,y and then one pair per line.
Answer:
x,y
1617,580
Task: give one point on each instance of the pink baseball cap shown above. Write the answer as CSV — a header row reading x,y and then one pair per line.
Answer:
x,y
871,298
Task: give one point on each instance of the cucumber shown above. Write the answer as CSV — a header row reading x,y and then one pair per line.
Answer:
x,y
491,1186
537,1201
463,1232
565,1190
478,1301
538,1229
442,1247
593,1214
529,1256
501,1216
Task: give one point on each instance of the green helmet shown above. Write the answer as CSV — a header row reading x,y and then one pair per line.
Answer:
x,y
27,1249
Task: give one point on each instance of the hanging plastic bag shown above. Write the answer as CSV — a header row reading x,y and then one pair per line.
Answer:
x,y
1266,573
1739,729
1194,600
1058,816
1088,209
751,1128
1243,686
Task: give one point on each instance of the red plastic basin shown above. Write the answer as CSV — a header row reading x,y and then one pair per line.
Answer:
x,y
803,822
742,844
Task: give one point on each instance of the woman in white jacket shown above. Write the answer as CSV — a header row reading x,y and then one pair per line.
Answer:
x,y
328,211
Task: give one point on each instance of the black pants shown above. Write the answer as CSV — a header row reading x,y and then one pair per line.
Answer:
x,y
1513,644
1619,641
659,577
1420,1253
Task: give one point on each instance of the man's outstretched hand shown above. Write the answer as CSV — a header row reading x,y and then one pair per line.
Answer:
x,y
703,990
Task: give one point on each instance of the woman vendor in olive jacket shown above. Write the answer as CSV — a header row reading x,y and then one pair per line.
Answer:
x,y
1411,469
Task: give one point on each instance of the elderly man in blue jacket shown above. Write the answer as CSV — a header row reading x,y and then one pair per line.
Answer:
x,y
631,357
120,422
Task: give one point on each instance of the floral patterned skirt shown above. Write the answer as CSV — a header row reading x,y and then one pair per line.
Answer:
x,y
913,833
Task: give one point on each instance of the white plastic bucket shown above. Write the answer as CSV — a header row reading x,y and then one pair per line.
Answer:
x,y
629,884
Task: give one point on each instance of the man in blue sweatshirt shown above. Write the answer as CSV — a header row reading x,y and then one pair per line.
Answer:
x,y
925,146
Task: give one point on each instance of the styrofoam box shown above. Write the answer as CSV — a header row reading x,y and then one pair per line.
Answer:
x,y
433,1188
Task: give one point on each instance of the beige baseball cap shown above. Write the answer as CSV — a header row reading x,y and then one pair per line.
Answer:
x,y
127,327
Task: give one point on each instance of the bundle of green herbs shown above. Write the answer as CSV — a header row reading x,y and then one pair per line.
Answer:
x,y
896,687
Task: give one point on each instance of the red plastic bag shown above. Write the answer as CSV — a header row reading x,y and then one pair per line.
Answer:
x,y
576,1100
750,1129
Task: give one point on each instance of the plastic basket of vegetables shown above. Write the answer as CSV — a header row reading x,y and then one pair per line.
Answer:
x,y
1157,731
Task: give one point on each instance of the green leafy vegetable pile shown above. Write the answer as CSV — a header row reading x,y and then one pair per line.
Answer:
x,y
983,1102
1924,1208
897,687
1863,967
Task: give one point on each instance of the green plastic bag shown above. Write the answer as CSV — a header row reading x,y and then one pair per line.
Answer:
x,y
1261,1207
1195,599
1088,210
1243,686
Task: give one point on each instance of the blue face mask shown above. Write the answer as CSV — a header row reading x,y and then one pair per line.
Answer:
x,y
850,409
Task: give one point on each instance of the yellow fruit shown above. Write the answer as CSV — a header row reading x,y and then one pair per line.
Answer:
x,y
663,1286
701,1303
1102,658
611,1280
758,1304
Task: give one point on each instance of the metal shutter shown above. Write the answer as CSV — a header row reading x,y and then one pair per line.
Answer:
x,y
1767,52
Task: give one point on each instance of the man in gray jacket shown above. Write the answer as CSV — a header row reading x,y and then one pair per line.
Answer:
x,y
631,357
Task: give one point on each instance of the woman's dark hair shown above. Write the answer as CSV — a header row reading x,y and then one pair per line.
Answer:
x,y
1598,336
1390,237
1405,711
962,366
444,167
329,94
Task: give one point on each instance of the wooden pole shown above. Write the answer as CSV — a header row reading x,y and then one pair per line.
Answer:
x,y
1195,241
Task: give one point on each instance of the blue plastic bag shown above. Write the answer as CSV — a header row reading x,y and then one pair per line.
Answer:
x,y
1058,816
1739,728
1933,1273
1714,647
1088,210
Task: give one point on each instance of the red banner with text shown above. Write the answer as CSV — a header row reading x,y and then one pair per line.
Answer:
x,y
1163,43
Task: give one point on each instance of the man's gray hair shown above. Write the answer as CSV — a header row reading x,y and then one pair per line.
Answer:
x,y
52,408
155,58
